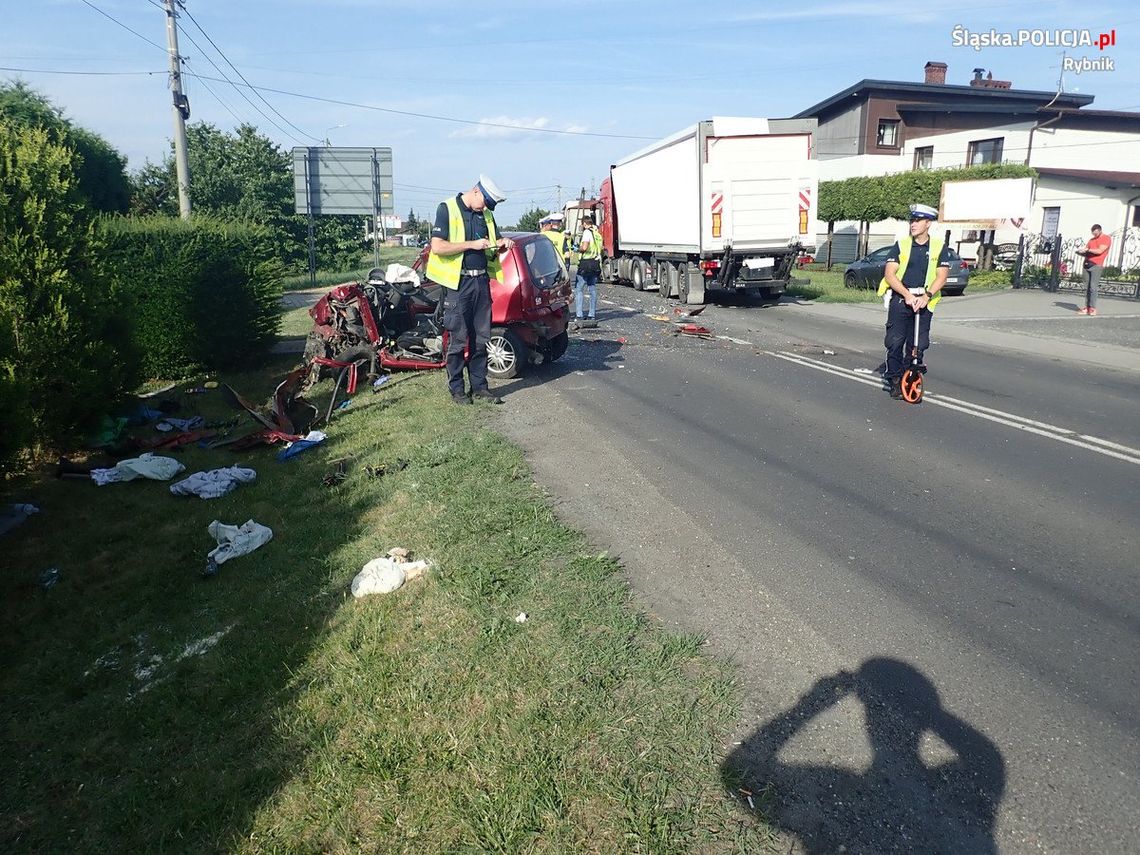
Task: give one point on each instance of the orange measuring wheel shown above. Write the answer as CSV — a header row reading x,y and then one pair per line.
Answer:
x,y
912,386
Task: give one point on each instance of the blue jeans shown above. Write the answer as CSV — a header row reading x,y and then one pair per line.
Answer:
x,y
590,284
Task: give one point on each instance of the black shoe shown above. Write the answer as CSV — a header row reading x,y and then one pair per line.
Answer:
x,y
460,398
486,395
896,388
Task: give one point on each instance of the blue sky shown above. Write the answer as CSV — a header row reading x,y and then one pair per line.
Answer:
x,y
615,73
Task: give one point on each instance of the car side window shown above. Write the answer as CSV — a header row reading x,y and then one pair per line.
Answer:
x,y
880,255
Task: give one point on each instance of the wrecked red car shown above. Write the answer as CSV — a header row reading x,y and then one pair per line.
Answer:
x,y
529,309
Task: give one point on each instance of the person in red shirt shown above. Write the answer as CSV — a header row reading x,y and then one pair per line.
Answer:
x,y
1095,253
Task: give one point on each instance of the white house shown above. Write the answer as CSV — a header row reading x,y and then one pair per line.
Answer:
x,y
1087,159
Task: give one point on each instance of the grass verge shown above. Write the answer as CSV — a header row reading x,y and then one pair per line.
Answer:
x,y
265,709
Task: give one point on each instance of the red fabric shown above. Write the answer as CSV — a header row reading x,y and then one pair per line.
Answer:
x,y
1100,246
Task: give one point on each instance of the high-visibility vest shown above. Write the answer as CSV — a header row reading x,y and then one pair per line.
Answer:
x,y
558,239
445,269
931,267
595,249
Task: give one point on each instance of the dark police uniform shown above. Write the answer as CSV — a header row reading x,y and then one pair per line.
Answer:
x,y
900,318
466,311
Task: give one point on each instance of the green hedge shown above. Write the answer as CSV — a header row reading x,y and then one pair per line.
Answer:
x,y
66,352
884,197
204,292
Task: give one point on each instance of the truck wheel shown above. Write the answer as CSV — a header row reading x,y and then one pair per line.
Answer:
x,y
683,283
506,354
637,275
694,284
608,272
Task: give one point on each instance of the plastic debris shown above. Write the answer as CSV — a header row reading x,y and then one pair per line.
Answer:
x,y
387,574
48,578
312,438
521,617
14,515
380,381
827,352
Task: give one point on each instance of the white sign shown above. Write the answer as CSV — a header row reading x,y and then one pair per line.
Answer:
x,y
987,201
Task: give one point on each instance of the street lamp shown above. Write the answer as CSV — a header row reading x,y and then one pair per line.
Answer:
x,y
333,128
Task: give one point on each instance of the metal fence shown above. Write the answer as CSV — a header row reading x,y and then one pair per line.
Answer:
x,y
1052,263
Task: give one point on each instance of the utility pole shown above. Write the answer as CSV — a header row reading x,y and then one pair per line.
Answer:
x,y
181,107
559,188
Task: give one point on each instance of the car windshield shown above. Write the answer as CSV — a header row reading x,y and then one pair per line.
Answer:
x,y
544,263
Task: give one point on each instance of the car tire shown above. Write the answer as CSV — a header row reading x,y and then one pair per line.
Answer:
x,y
506,354
849,281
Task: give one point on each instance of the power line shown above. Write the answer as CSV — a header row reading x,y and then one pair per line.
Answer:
x,y
194,21
81,73
438,118
218,98
124,26
236,88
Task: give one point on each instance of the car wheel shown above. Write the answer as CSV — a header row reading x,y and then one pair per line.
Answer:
x,y
849,281
506,354
637,275
558,345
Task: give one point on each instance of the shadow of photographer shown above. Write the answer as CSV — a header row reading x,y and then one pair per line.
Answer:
x,y
901,801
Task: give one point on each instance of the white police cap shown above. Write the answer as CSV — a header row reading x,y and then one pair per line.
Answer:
x,y
923,212
491,192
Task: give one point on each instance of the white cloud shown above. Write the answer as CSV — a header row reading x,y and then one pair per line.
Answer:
x,y
506,127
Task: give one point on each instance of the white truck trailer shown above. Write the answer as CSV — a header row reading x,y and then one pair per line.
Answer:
x,y
726,205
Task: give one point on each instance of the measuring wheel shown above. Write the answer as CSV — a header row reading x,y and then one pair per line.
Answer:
x,y
912,386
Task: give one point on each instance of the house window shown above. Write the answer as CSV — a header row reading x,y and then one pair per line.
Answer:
x,y
888,133
985,151
924,157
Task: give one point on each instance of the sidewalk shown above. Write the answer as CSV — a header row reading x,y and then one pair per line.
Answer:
x,y
1033,322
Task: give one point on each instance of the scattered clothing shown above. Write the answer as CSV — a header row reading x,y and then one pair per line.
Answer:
x,y
213,484
314,437
181,425
144,466
14,515
143,415
234,541
385,575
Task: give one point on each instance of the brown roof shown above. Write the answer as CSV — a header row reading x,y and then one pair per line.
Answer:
x,y
1098,176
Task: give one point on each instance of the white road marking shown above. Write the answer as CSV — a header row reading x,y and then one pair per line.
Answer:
x,y
629,308
735,340
1049,431
608,302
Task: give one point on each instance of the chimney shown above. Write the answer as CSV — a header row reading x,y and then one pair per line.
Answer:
x,y
935,73
988,81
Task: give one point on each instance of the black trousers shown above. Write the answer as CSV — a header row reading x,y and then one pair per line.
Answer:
x,y
467,319
900,335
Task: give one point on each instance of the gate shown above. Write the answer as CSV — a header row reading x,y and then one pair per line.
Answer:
x,y
1052,264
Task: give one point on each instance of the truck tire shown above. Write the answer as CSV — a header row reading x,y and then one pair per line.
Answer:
x,y
506,354
609,271
637,274
693,283
666,279
683,283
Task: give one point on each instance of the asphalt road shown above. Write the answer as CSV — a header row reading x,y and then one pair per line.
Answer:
x,y
934,607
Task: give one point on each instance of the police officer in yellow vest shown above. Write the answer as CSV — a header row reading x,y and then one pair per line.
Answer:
x,y
551,227
917,267
465,247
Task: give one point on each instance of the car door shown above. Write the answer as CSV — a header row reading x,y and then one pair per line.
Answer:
x,y
875,266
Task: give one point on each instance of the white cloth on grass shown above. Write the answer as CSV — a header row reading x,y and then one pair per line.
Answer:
x,y
385,575
234,541
145,466
213,484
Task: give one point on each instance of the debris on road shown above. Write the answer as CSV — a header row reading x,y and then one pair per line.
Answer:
x,y
691,313
694,330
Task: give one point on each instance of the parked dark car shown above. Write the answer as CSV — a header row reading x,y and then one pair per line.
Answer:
x,y
868,270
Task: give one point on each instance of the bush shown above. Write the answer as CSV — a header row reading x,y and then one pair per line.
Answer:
x,y
991,279
65,349
204,292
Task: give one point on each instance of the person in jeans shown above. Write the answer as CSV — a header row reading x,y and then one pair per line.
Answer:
x,y
1095,253
589,269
